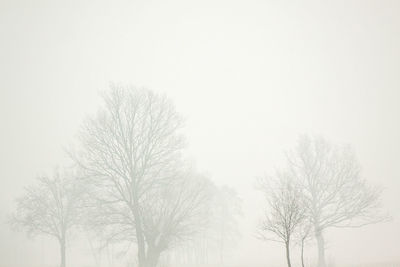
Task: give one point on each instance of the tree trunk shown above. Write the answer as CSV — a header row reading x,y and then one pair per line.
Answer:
x,y
302,252
153,256
221,251
141,253
141,248
321,248
62,252
288,254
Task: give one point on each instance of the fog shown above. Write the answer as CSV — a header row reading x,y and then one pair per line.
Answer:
x,y
248,78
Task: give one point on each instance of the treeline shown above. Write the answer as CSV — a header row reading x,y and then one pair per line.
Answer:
x,y
130,183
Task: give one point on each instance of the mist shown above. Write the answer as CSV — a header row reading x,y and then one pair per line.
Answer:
x,y
247,81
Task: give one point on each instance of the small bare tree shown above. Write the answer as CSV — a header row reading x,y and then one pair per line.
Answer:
x,y
225,213
303,236
50,208
140,190
285,211
332,188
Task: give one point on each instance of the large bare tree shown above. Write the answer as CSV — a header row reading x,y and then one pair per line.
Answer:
x,y
285,211
51,207
141,191
335,193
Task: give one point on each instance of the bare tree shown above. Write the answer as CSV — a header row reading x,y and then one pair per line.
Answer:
x,y
141,190
176,213
50,208
226,210
303,236
333,189
285,212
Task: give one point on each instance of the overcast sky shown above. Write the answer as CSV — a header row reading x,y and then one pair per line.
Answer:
x,y
248,76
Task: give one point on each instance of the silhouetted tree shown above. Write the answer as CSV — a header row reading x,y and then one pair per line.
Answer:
x,y
141,190
332,188
51,207
285,211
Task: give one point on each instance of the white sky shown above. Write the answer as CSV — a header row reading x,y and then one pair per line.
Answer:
x,y
248,76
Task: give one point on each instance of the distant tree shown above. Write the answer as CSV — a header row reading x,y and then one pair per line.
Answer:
x,y
175,214
51,207
220,232
285,211
140,188
332,188
226,210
